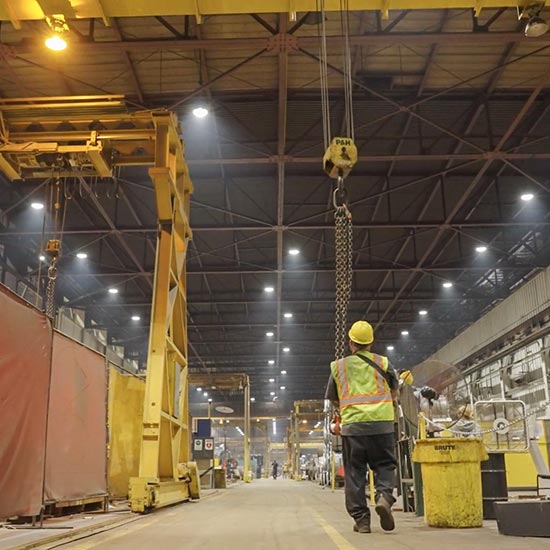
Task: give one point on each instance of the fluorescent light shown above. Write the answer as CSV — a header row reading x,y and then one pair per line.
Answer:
x,y
210,400
481,249
56,43
390,348
271,362
274,424
304,421
283,388
448,285
422,312
271,393
404,333
136,318
269,289
205,394
272,379
82,255
113,291
294,252
239,430
288,315
311,432
252,399
199,389
283,372
42,258
37,205
318,424
269,334
526,197
200,112
286,350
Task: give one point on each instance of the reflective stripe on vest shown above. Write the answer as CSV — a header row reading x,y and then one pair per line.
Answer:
x,y
365,399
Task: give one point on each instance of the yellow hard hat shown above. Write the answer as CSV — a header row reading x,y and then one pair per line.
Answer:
x,y
361,333
407,377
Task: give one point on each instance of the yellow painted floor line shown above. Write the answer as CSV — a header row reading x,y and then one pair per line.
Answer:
x,y
339,540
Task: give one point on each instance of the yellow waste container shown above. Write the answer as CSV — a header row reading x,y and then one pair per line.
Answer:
x,y
451,476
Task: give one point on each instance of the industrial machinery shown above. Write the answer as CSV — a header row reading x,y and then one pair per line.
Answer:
x,y
86,138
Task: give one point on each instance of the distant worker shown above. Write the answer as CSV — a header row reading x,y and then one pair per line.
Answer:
x,y
275,469
364,385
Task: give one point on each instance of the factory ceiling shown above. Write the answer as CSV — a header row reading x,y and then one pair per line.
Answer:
x,y
452,125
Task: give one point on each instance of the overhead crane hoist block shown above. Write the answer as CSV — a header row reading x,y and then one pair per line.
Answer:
x,y
340,157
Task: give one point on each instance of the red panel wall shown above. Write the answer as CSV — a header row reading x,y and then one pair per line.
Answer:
x,y
77,432
25,358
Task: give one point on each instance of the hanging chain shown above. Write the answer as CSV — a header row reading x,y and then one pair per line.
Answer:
x,y
50,289
344,266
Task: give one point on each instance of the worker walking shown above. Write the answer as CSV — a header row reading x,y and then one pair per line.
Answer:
x,y
363,385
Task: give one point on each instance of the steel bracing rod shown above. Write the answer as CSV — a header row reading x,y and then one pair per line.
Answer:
x,y
142,45
471,187
382,225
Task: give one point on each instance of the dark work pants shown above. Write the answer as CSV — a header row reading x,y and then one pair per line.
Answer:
x,y
376,452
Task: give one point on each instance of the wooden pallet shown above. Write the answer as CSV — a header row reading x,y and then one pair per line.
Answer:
x,y
88,504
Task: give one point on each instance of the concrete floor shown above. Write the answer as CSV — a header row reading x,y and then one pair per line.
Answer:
x,y
283,514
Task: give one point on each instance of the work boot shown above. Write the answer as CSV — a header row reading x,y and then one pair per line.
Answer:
x,y
362,527
383,509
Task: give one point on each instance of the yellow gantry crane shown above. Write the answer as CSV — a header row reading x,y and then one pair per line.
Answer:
x,y
51,138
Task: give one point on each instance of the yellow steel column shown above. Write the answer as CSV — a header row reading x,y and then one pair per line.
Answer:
x,y
246,466
165,473
297,471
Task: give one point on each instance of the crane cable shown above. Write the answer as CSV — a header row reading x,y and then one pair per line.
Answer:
x,y
343,228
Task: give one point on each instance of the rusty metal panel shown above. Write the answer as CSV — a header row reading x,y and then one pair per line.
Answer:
x,y
76,451
25,341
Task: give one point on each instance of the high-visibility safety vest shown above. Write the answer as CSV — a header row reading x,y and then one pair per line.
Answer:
x,y
365,395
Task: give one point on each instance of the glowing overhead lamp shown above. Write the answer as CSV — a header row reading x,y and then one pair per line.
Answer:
x,y
59,27
526,197
37,205
200,112
82,255
481,249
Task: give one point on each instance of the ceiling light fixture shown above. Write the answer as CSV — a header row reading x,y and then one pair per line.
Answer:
x,y
422,312
252,399
210,400
55,41
37,205
294,252
42,258
199,389
113,291
200,112
283,388
304,421
272,379
448,285
136,318
205,394
286,350
271,393
481,249
390,348
288,315
526,197
269,289
404,333
269,334
82,255
283,372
